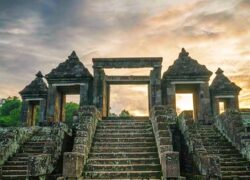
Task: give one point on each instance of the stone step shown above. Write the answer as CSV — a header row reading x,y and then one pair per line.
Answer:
x,y
123,149
17,158
123,135
223,151
17,163
124,127
124,155
235,163
123,130
123,167
123,161
130,139
14,177
234,168
228,173
231,158
124,144
215,143
14,172
242,177
122,174
14,167
34,143
124,123
220,147
33,146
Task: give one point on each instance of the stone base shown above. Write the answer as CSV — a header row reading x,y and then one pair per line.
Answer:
x,y
73,163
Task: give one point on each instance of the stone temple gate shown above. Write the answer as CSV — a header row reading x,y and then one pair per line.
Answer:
x,y
102,82
186,75
199,144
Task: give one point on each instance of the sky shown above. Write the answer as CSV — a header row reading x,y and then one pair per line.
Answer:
x,y
38,35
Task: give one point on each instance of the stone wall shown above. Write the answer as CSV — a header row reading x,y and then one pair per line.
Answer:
x,y
162,117
207,165
231,125
44,164
85,125
11,139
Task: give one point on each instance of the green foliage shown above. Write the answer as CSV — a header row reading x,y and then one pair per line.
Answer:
x,y
10,104
124,113
70,109
10,112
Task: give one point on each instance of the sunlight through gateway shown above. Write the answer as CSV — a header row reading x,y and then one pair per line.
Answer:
x,y
184,102
133,98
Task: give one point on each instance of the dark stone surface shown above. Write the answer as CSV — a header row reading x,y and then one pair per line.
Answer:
x,y
221,84
36,87
187,67
71,68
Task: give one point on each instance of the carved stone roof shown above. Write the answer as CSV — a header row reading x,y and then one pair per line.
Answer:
x,y
222,84
71,68
187,67
37,86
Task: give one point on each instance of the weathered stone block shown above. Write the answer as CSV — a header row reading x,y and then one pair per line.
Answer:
x,y
165,141
170,164
73,163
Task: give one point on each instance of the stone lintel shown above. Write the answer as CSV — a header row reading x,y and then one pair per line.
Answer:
x,y
127,79
224,96
188,82
68,84
33,99
134,62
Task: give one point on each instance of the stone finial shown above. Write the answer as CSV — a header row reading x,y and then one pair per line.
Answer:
x,y
73,55
219,71
39,74
183,53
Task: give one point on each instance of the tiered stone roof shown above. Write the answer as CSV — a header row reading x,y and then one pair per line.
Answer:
x,y
71,68
36,87
222,84
186,67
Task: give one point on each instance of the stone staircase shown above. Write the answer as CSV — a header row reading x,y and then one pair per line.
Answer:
x,y
123,148
233,165
17,166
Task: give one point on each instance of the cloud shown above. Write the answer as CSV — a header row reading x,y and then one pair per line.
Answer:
x,y
38,35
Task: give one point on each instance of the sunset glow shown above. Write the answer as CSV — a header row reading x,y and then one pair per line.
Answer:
x,y
38,35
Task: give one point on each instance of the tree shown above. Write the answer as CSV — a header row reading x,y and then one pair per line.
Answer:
x,y
10,104
70,109
10,112
125,113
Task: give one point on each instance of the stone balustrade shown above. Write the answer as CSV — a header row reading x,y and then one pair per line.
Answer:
x,y
232,125
208,165
161,118
85,125
11,139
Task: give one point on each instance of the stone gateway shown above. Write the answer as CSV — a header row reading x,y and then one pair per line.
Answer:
x,y
205,143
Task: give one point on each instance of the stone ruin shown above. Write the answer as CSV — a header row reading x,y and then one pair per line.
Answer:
x,y
200,144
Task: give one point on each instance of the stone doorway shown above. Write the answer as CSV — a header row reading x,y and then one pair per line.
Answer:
x,y
102,82
132,98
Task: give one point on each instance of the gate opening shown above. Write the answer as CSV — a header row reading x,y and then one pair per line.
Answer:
x,y
184,102
132,98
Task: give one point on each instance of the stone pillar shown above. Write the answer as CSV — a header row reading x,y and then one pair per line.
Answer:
x,y
108,98
84,94
52,96
155,87
215,104
24,112
30,114
170,99
62,107
99,76
105,99
204,113
42,111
